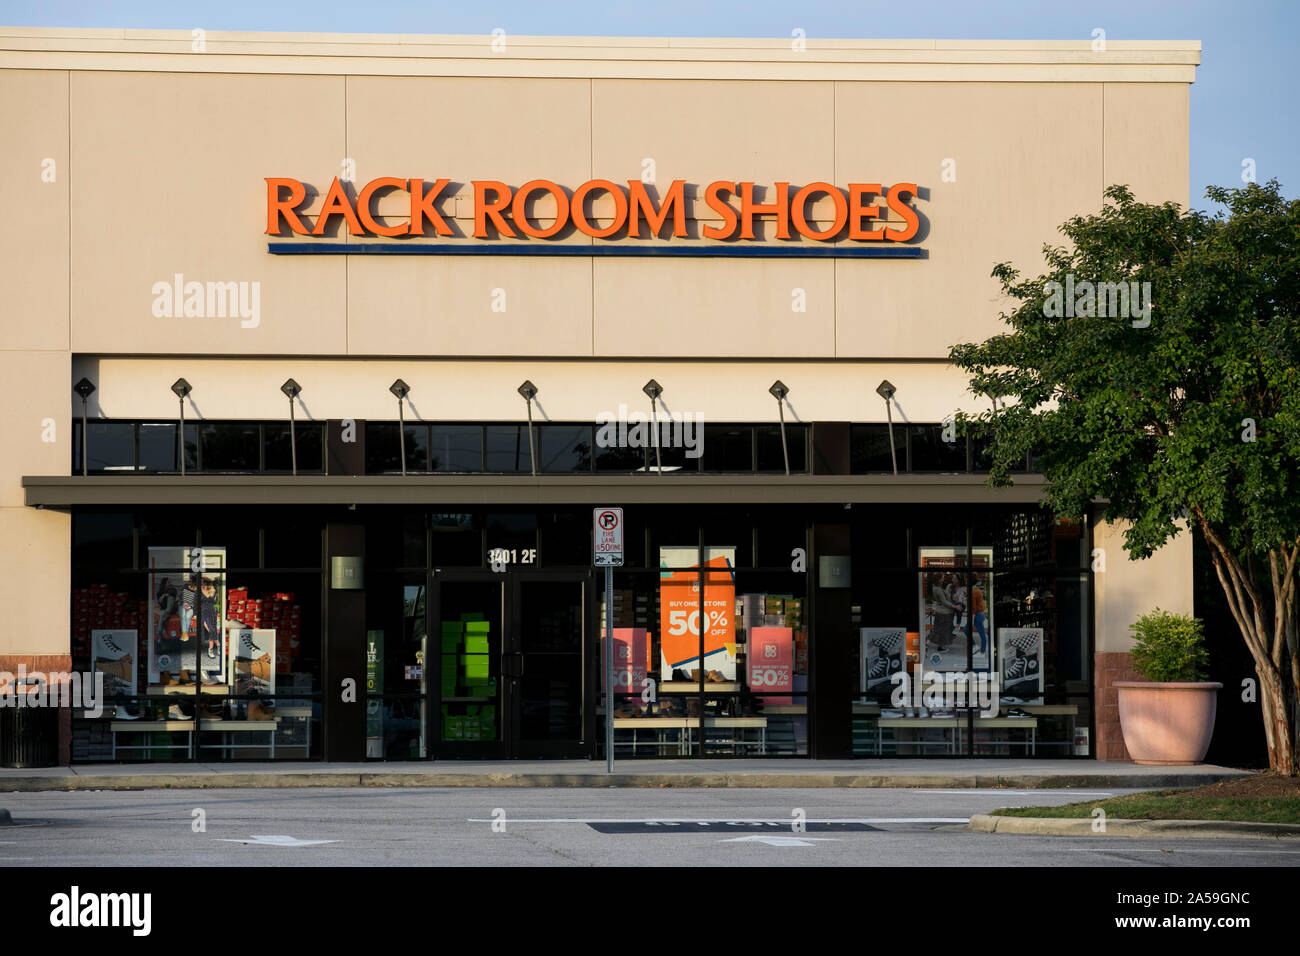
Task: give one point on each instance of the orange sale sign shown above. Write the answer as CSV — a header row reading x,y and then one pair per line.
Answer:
x,y
682,615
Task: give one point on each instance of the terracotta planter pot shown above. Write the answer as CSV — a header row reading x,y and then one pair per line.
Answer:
x,y
1167,723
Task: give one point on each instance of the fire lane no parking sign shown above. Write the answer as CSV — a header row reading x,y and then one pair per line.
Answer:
x,y
607,537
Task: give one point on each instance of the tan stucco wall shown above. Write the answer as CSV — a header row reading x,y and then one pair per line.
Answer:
x,y
35,581
168,153
186,196
569,390
1128,589
160,154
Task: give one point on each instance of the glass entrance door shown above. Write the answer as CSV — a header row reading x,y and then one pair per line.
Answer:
x,y
544,678
468,624
510,667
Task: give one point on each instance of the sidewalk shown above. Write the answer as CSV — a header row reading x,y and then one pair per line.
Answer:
x,y
938,773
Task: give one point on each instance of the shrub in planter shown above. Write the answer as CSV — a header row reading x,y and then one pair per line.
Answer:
x,y
1169,717
1169,647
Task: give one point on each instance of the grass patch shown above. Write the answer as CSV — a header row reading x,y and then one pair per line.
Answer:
x,y
1263,798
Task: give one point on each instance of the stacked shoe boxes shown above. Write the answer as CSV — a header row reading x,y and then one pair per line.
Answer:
x,y
276,610
466,663
476,661
96,608
777,610
453,636
624,608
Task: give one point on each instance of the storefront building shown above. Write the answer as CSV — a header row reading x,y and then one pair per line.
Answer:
x,y
363,329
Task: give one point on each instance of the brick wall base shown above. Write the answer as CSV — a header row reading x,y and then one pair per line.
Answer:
x,y
46,663
1108,667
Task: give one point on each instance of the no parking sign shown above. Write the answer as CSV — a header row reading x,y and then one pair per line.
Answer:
x,y
607,537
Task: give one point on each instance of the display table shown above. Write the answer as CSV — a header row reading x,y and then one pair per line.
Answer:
x,y
163,690
686,727
225,728
239,727
691,687
149,727
958,726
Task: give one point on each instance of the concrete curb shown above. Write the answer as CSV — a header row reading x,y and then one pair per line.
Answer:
x,y
757,780
1062,826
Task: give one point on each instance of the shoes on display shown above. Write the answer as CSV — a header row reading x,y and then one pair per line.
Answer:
x,y
259,668
265,710
121,712
120,668
889,643
175,713
165,678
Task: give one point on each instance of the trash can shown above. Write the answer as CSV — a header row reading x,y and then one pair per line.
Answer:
x,y
29,737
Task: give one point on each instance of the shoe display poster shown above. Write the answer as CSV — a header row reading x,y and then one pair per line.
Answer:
x,y
884,654
1020,653
956,603
629,662
252,660
681,610
112,653
770,661
187,613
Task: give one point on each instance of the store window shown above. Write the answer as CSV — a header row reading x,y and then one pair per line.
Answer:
x,y
507,449
770,457
308,441
975,643
710,656
728,448
455,448
384,447
870,450
232,447
564,448
397,667
110,446
205,654
930,450
621,459
157,446
457,540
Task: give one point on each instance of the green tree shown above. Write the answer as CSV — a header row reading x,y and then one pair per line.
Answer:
x,y
1186,415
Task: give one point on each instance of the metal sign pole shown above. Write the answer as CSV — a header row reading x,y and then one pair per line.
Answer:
x,y
607,553
609,669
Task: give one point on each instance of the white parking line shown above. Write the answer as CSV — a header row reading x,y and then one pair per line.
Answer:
x,y
782,821
1217,851
1026,793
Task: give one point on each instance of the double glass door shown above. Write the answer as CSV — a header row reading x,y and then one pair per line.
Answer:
x,y
510,664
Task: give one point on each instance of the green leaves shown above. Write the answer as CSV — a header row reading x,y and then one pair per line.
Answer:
x,y
1197,411
1169,647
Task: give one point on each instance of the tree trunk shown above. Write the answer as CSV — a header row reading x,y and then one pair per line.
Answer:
x,y
1241,588
1277,722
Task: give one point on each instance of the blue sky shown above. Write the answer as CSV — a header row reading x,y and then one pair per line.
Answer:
x,y
1243,103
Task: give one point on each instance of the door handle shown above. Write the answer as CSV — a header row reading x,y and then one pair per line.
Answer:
x,y
512,664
